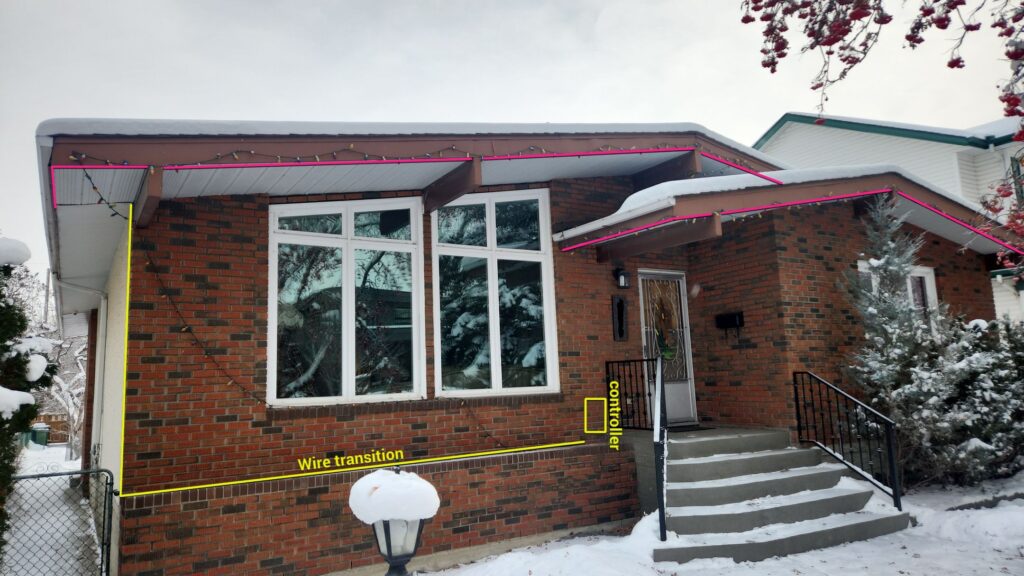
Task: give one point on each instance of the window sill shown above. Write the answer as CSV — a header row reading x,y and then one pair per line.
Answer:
x,y
348,411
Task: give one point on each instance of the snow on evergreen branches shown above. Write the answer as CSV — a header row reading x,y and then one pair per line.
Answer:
x,y
955,389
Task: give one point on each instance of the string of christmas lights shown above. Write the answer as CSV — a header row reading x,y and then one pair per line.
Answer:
x,y
186,327
350,152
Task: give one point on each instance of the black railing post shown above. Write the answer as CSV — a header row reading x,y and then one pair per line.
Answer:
x,y
660,442
894,473
796,400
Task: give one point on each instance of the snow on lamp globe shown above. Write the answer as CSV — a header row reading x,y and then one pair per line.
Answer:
x,y
397,505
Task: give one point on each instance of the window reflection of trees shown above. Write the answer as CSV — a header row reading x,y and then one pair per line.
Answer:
x,y
308,321
383,322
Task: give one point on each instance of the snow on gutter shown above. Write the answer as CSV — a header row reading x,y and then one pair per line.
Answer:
x,y
664,195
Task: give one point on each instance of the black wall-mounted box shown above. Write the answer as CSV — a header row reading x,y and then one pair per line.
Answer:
x,y
729,321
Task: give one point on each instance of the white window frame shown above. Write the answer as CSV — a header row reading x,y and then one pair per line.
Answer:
x,y
491,253
925,272
349,243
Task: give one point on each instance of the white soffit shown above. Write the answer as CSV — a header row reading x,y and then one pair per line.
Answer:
x,y
89,237
522,170
319,179
941,226
117,185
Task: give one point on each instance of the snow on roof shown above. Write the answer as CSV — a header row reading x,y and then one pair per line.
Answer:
x,y
387,495
161,127
1001,127
663,195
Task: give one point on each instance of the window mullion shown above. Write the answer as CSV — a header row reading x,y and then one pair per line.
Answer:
x,y
348,316
492,321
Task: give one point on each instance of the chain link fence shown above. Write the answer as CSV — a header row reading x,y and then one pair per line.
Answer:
x,y
60,524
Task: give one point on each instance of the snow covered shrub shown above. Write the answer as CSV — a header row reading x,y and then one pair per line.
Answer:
x,y
22,369
955,390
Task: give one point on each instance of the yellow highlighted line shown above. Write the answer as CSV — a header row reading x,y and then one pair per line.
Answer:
x,y
355,468
127,301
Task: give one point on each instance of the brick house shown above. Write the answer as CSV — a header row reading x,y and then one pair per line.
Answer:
x,y
296,290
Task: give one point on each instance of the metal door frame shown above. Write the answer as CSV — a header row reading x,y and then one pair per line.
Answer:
x,y
680,277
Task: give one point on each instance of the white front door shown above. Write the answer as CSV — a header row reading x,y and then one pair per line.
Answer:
x,y
666,331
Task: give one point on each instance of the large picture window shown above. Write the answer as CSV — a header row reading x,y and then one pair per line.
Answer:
x,y
346,301
494,317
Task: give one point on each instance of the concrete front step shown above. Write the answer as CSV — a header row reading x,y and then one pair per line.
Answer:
x,y
784,539
748,487
730,465
744,516
703,443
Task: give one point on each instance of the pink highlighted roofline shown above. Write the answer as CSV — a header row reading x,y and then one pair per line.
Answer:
x,y
55,167
176,167
641,228
804,202
955,220
724,213
589,153
738,167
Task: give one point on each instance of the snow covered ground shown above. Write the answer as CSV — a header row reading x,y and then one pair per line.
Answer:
x,y
962,542
52,531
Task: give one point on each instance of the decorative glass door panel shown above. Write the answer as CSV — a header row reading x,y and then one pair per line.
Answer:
x,y
666,332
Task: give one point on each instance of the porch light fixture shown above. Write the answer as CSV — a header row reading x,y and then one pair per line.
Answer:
x,y
621,278
397,505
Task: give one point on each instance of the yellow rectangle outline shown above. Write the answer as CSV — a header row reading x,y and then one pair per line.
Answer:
x,y
604,415
355,468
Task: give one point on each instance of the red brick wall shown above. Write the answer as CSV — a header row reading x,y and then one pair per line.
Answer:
x,y
739,377
304,526
816,245
188,424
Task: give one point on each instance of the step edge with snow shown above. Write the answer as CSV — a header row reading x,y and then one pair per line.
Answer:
x,y
739,488
782,510
729,465
754,441
862,526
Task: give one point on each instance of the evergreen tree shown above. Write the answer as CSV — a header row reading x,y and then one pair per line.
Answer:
x,y
955,390
21,371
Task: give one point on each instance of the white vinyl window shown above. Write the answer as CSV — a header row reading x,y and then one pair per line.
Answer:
x,y
346,300
920,287
494,304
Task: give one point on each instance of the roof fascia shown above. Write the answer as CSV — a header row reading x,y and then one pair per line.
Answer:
x,y
878,129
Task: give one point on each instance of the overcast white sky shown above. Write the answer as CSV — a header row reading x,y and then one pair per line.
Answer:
x,y
437,60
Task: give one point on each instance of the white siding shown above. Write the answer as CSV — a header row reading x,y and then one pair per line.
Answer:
x,y
991,166
967,165
110,350
808,146
1008,300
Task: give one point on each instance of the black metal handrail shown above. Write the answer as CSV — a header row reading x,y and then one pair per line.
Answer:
x,y
660,429
849,430
635,382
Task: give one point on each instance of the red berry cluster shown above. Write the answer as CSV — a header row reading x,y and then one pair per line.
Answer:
x,y
845,30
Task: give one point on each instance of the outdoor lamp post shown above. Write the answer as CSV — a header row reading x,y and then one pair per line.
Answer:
x,y
397,505
397,541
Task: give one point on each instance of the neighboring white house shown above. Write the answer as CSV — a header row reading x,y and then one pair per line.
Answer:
x,y
966,162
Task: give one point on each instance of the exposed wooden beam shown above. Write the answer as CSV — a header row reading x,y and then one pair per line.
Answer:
x,y
672,235
679,168
152,192
463,180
